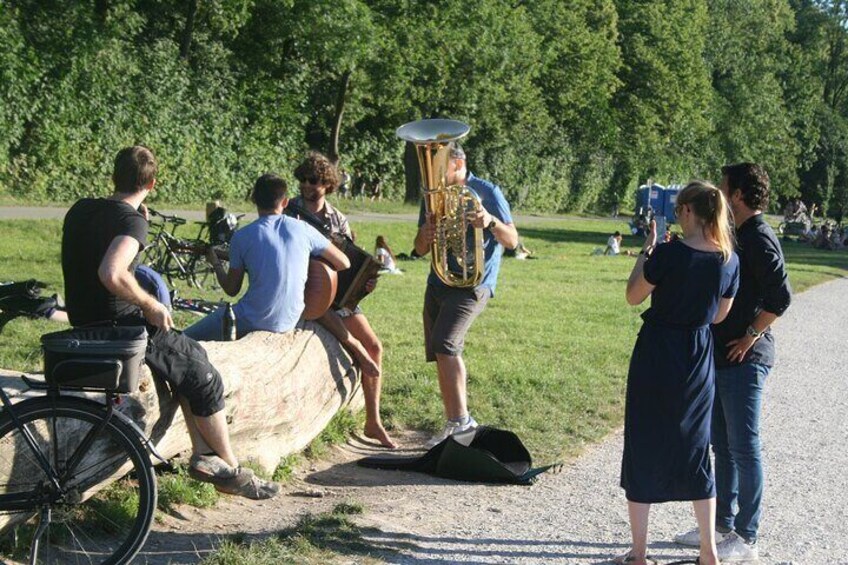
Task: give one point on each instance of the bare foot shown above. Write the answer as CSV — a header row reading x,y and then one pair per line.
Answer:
x,y
378,432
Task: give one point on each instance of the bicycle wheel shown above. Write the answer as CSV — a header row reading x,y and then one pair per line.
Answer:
x,y
104,507
152,254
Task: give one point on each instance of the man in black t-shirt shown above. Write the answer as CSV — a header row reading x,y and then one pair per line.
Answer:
x,y
97,222
101,242
744,353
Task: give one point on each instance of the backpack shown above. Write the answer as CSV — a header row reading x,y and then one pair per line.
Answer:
x,y
23,298
484,454
222,226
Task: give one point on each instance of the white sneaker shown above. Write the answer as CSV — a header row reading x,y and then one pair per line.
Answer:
x,y
692,538
735,548
451,428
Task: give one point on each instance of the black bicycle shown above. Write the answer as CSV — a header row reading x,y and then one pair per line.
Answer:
x,y
178,258
76,479
173,257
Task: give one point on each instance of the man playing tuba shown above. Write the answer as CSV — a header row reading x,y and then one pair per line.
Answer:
x,y
449,311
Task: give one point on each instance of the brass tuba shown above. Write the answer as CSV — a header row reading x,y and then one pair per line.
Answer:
x,y
458,262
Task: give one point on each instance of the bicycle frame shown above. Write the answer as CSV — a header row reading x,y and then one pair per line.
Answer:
x,y
177,258
25,501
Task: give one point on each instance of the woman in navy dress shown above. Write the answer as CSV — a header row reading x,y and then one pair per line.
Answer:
x,y
670,385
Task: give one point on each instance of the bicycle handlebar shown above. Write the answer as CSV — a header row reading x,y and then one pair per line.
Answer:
x,y
176,220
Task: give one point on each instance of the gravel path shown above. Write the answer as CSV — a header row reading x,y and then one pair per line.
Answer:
x,y
579,515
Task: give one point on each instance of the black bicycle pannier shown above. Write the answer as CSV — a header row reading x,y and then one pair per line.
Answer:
x,y
107,358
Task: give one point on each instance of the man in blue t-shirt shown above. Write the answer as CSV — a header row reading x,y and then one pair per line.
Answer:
x,y
449,312
274,251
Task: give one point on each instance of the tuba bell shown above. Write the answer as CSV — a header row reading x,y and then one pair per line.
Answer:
x,y
457,250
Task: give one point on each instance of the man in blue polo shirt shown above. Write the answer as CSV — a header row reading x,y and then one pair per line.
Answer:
x,y
274,251
449,312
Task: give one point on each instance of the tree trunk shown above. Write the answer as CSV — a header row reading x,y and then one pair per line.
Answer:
x,y
188,31
281,391
333,150
101,8
412,174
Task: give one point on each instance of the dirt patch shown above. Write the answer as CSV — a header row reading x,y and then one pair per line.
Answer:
x,y
189,534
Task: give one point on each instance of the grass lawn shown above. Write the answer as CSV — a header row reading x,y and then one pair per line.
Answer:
x,y
547,359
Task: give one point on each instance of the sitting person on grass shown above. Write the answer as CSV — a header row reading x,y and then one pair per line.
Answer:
x,y
614,246
274,251
823,239
383,254
101,241
24,298
520,252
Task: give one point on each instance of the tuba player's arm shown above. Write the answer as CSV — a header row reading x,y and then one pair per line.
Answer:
x,y
506,234
425,236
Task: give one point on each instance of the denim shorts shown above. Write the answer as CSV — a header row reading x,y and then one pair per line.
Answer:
x,y
347,312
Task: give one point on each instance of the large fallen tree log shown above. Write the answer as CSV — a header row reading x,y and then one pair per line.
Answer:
x,y
281,392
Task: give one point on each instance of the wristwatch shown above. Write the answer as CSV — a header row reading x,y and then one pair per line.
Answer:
x,y
753,332
492,224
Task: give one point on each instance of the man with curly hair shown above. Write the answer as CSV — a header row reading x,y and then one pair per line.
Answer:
x,y
318,177
744,356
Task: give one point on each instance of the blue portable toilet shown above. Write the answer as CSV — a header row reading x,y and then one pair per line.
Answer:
x,y
643,198
650,195
670,201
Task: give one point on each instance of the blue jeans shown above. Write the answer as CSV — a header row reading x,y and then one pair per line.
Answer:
x,y
209,327
736,444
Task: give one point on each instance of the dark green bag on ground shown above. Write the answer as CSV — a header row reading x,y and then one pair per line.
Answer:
x,y
485,455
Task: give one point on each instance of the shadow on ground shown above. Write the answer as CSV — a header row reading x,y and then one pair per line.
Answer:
x,y
402,548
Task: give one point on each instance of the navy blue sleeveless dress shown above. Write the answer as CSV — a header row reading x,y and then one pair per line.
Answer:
x,y
671,381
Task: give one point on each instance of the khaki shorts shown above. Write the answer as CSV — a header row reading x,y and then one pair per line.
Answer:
x,y
448,313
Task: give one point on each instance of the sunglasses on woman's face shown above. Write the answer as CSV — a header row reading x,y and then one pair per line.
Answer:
x,y
309,180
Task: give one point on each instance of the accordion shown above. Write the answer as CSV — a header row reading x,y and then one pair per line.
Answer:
x,y
363,266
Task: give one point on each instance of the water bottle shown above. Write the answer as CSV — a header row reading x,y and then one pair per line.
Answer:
x,y
228,324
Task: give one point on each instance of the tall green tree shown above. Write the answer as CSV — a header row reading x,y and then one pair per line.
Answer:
x,y
818,79
18,81
663,104
580,59
747,51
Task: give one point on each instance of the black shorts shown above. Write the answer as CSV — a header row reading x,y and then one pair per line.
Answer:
x,y
448,313
182,363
